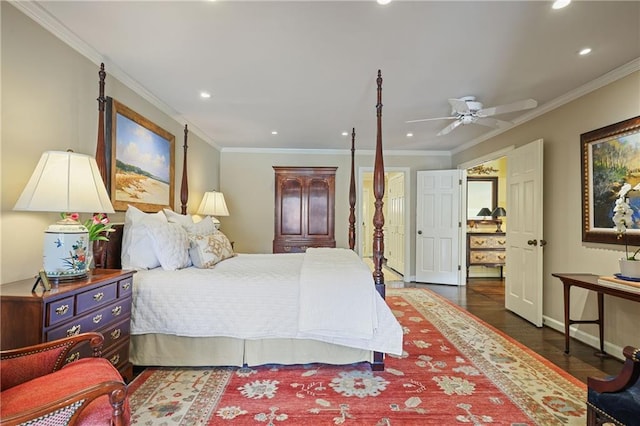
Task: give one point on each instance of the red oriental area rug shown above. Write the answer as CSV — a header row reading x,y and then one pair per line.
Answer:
x,y
455,369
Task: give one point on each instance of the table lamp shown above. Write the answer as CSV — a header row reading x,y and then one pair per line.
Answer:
x,y
213,205
484,212
65,182
497,213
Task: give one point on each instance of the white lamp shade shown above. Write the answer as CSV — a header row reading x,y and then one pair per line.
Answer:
x,y
213,204
65,182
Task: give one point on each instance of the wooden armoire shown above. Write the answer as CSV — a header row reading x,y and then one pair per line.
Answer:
x,y
304,208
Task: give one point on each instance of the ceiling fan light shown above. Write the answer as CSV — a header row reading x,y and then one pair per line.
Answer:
x,y
559,4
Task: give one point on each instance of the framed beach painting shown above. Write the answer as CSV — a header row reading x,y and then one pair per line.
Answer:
x,y
610,158
142,160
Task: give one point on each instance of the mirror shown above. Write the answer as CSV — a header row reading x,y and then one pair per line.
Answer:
x,y
481,192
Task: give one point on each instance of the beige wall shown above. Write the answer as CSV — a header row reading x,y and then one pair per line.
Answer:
x,y
49,96
560,129
247,180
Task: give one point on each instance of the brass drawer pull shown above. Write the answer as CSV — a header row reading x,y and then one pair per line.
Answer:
x,y
62,309
98,296
114,359
116,311
286,248
126,286
73,357
115,334
73,331
97,319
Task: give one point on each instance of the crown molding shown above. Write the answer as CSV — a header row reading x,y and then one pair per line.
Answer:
x,y
51,24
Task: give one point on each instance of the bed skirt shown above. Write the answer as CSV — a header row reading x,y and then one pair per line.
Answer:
x,y
177,351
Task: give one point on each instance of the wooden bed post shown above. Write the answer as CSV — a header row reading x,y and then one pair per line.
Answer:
x,y
99,252
101,157
184,188
378,217
352,194
378,192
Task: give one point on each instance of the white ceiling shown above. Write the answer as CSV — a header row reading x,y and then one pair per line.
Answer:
x,y
308,68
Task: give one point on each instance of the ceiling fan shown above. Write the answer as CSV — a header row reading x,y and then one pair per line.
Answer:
x,y
467,110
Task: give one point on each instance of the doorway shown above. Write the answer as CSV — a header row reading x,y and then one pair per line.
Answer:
x,y
396,220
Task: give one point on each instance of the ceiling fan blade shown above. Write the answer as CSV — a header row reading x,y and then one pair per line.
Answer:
x,y
460,106
502,109
492,122
430,119
449,128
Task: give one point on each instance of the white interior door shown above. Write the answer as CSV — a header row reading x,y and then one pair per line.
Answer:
x,y
394,251
438,226
367,227
523,283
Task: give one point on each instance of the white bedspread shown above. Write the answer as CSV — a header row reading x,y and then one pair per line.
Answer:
x,y
255,296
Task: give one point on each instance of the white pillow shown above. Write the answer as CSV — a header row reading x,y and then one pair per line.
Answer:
x,y
183,219
170,244
204,227
207,250
137,248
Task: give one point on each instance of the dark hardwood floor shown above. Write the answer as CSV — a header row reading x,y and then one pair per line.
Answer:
x,y
484,298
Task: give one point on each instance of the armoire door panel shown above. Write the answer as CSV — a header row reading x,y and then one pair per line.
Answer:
x,y
291,203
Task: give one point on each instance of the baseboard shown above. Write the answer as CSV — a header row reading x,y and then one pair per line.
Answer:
x,y
613,350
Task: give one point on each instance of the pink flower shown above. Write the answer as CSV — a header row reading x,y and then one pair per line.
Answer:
x,y
74,216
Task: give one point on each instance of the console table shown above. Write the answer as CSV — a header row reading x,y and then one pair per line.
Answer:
x,y
590,282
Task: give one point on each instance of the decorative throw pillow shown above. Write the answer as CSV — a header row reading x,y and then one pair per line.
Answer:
x,y
207,250
170,244
137,249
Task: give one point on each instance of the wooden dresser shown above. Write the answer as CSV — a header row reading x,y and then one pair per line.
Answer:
x,y
486,249
304,208
101,302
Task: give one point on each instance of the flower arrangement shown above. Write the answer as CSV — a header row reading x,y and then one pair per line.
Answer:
x,y
98,225
623,217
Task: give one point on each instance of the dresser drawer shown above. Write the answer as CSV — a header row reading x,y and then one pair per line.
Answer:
x,y
119,356
116,334
488,257
125,287
487,241
60,310
97,297
94,321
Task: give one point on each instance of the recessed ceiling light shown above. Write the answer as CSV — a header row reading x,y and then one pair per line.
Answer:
x,y
274,132
205,95
409,135
383,2
584,51
559,4
345,133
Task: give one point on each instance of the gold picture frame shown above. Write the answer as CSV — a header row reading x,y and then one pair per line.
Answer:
x,y
610,157
142,160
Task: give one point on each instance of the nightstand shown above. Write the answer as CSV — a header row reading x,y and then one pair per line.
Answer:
x,y
100,302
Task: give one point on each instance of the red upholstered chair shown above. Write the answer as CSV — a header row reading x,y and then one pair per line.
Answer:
x,y
36,385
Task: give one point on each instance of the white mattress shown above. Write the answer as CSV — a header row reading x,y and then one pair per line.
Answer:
x,y
257,296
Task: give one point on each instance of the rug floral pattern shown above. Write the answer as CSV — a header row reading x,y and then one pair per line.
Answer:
x,y
474,376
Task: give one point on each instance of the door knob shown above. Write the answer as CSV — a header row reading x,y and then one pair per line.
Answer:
x,y
543,243
419,232
532,242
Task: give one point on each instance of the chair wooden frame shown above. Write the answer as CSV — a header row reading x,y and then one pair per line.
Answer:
x,y
76,402
629,376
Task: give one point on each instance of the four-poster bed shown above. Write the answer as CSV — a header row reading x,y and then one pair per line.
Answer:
x,y
164,331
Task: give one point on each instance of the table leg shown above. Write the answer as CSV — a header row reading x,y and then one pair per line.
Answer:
x,y
567,304
602,353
